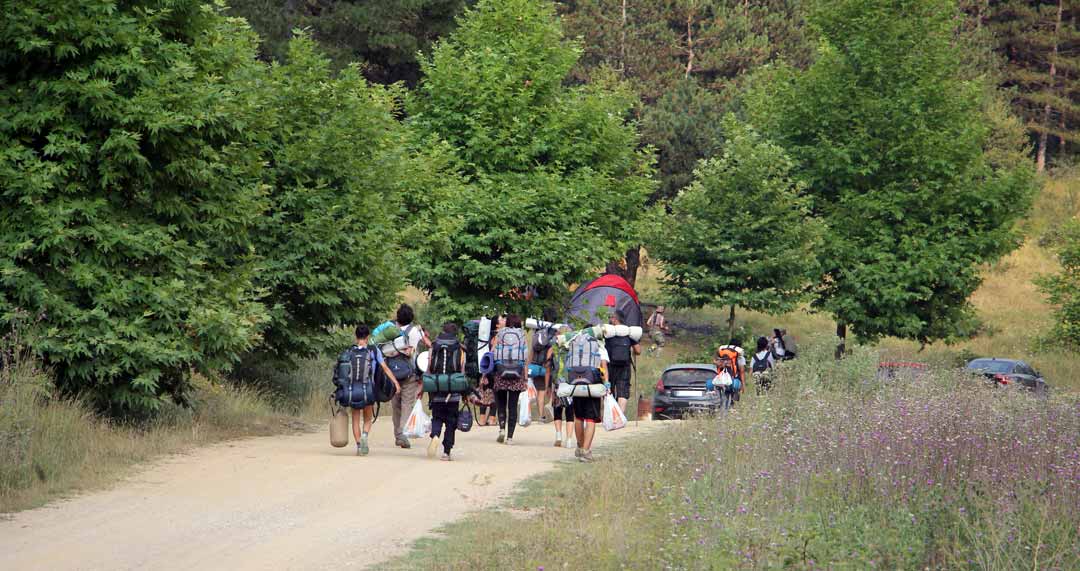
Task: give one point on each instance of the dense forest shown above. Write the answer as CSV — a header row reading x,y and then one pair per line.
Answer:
x,y
188,187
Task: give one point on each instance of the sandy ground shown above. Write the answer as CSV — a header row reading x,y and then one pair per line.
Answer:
x,y
288,502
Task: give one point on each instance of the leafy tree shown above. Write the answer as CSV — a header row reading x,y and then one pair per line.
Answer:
x,y
899,157
1063,289
740,233
383,35
129,186
339,164
554,182
684,126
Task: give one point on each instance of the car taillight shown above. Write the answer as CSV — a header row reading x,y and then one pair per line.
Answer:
x,y
660,385
1002,379
658,409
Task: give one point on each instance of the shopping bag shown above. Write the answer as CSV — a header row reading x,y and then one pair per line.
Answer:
x,y
614,418
418,424
524,412
532,391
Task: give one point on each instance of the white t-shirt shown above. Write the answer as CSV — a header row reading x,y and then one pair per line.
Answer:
x,y
415,335
604,354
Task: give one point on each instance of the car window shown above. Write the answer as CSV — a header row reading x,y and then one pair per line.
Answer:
x,y
688,376
991,366
1024,369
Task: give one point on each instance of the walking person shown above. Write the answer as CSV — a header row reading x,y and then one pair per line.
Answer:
x,y
562,409
354,376
586,364
509,376
621,351
447,357
761,365
658,328
540,361
485,399
410,388
731,360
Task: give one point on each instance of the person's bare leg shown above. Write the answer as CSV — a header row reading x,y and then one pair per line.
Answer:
x,y
622,404
369,418
356,424
588,430
579,431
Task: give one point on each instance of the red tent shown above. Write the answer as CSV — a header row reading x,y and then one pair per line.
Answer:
x,y
608,290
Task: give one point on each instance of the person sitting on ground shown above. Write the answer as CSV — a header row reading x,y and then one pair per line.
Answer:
x,y
658,328
402,403
363,333
782,345
761,365
445,406
621,351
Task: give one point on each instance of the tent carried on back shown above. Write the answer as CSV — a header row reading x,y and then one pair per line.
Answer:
x,y
610,291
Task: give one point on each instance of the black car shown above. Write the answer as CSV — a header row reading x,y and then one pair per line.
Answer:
x,y
1006,372
681,390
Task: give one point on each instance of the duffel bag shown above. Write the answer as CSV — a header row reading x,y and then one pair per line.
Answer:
x,y
449,383
593,390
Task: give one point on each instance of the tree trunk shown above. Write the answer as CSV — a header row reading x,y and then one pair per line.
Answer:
x,y
731,322
841,335
1040,161
626,268
622,42
689,42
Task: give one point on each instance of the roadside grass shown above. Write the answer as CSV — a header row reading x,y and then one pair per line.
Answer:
x,y
831,470
52,447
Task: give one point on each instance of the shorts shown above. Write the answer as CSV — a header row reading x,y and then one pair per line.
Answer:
x,y
562,411
658,337
619,377
540,383
587,409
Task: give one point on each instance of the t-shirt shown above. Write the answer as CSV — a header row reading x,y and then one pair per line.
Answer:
x,y
414,336
763,356
378,354
607,343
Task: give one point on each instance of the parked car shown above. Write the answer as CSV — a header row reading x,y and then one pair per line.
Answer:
x,y
681,390
1004,372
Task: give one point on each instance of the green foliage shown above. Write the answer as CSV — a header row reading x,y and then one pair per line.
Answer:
x,y
129,185
338,164
916,185
1063,289
684,126
740,234
384,36
554,183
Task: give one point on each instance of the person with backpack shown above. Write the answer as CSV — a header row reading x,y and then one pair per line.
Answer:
x,y
509,376
621,351
354,377
761,365
447,357
730,361
657,325
540,358
585,362
486,392
410,388
561,407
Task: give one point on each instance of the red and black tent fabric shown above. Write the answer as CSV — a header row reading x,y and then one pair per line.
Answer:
x,y
610,291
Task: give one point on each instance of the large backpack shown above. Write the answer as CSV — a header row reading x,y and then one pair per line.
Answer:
x,y
471,346
728,359
445,356
541,342
510,352
583,351
354,377
619,349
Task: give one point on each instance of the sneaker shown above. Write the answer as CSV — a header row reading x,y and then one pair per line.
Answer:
x,y
433,446
586,456
566,442
362,448
502,437
404,443
509,441
558,442
577,452
445,457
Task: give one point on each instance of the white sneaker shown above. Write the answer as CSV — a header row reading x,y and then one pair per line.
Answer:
x,y
433,446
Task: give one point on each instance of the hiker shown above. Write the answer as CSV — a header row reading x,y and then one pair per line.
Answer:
x,y
561,407
410,388
621,351
658,328
356,366
540,358
509,376
586,363
486,393
447,357
761,365
782,345
730,359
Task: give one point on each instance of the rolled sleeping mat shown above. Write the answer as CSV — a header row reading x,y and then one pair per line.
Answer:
x,y
384,334
596,331
632,331
487,363
533,323
451,383
394,347
595,390
421,361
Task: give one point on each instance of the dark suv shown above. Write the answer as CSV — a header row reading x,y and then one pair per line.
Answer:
x,y
681,390
1009,372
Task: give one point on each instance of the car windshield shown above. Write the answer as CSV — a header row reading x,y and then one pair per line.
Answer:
x,y
991,366
687,376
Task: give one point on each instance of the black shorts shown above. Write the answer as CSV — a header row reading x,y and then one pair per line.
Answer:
x,y
540,383
587,409
619,377
562,412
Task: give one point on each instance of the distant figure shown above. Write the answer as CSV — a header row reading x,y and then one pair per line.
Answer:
x,y
761,365
782,345
541,357
621,352
445,406
509,376
403,401
730,360
562,410
658,328
354,376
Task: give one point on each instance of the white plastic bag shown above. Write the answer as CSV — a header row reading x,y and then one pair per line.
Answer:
x,y
614,418
419,423
524,412
532,391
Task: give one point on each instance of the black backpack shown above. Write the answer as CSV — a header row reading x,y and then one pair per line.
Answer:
x,y
759,365
472,348
354,377
445,356
541,342
618,349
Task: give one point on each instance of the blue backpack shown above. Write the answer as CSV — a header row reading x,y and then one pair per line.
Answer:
x,y
354,377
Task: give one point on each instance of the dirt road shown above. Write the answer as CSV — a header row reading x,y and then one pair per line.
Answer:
x,y
289,502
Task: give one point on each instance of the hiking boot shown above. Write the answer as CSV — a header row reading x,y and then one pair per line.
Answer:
x,y
362,448
445,457
433,446
502,437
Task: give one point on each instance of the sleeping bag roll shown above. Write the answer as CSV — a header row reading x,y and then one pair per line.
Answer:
x,y
450,383
595,390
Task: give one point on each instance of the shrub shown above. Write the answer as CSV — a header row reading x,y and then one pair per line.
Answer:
x,y
1063,289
